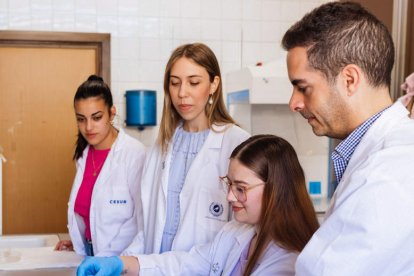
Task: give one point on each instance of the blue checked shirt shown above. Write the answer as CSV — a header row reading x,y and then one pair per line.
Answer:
x,y
343,152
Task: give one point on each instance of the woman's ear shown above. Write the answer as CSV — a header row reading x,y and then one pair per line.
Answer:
x,y
352,76
214,85
113,113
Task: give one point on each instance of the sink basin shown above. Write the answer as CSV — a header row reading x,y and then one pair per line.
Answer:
x,y
28,241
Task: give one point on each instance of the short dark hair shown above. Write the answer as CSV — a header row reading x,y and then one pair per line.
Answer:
x,y
341,33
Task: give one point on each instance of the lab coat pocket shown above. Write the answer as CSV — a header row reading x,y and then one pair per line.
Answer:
x,y
117,205
213,208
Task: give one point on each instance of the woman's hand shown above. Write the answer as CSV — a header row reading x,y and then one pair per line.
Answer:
x,y
100,266
64,245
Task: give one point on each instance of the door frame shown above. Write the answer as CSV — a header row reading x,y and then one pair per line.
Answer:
x,y
98,41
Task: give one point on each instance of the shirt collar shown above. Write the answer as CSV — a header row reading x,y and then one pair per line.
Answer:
x,y
346,148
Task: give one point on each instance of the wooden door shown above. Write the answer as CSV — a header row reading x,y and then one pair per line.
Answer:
x,y
38,131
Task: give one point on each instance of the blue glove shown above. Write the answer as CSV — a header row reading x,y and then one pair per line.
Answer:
x,y
100,266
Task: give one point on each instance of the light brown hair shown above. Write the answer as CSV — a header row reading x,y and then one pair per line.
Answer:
x,y
287,214
216,112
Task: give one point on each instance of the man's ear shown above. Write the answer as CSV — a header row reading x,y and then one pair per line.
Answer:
x,y
351,77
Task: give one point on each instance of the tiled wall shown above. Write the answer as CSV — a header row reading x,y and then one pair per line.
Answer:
x,y
144,33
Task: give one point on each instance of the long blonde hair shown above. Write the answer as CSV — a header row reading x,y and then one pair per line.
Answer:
x,y
216,112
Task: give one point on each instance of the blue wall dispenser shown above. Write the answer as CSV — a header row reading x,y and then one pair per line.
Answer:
x,y
141,108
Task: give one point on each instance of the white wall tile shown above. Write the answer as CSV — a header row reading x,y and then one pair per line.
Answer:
x,y
128,26
85,23
19,6
271,10
190,8
150,49
107,24
19,21
190,29
270,31
252,10
169,8
129,70
290,10
128,7
41,5
149,27
41,21
211,9
107,7
4,21
129,47
64,5
231,51
166,48
4,6
270,51
231,30
63,21
167,27
231,9
252,31
151,71
149,8
210,29
85,7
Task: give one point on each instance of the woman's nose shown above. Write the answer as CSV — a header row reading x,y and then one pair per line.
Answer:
x,y
182,91
230,196
88,124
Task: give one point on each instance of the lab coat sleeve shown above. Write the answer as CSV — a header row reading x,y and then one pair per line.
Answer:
x,y
194,262
370,231
134,173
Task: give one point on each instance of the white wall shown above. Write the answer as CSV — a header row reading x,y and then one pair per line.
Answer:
x,y
145,32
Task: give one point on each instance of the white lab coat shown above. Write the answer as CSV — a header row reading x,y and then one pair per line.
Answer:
x,y
203,205
220,256
369,227
115,199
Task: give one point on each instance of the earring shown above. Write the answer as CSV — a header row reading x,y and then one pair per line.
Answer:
x,y
210,99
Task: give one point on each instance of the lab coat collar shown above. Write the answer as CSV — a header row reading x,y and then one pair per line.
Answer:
x,y
385,123
242,241
110,162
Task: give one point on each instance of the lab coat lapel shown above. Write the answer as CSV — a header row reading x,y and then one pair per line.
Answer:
x,y
111,163
242,241
166,164
368,144
213,142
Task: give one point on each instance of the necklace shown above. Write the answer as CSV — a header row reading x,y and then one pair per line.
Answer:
x,y
95,169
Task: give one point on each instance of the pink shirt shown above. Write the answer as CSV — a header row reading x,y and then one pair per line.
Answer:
x,y
94,163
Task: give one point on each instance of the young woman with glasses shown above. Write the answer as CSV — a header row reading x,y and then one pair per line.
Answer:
x,y
274,219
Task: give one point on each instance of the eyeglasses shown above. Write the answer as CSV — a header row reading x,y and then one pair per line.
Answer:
x,y
240,192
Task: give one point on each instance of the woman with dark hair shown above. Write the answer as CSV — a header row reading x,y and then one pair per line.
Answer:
x,y
274,219
105,197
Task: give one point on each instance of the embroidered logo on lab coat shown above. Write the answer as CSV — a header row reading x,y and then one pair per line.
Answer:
x,y
215,267
117,201
216,209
